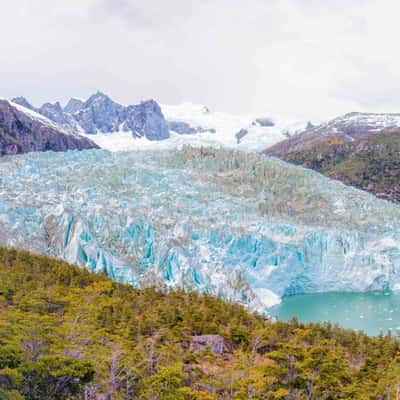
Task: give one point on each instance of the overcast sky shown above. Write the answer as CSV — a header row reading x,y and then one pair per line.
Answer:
x,y
306,58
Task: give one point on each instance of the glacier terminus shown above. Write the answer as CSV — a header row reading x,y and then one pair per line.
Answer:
x,y
242,226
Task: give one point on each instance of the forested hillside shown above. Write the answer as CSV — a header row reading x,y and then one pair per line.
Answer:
x,y
370,163
68,334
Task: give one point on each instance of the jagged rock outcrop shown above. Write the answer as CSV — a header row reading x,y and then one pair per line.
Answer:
x,y
146,119
241,134
216,343
73,106
55,112
22,101
24,131
265,122
184,128
99,114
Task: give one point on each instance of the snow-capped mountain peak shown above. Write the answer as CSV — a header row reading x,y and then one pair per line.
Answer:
x,y
245,132
149,125
345,128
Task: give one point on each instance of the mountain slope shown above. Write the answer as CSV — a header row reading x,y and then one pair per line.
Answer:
x,y
371,163
66,333
346,128
22,131
361,150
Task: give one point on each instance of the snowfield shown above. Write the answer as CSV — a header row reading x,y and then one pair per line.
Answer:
x,y
224,126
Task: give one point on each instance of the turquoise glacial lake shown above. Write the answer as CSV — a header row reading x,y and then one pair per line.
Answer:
x,y
369,312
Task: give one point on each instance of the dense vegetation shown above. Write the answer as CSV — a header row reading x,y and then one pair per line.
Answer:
x,y
68,334
370,163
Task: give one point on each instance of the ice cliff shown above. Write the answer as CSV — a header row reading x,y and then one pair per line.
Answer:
x,y
242,226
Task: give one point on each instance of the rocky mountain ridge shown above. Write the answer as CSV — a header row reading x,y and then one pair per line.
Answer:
x,y
186,123
370,163
100,114
346,128
359,149
23,131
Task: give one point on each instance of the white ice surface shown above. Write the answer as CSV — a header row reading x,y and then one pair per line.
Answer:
x,y
225,125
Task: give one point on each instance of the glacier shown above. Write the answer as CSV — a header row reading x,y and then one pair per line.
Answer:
x,y
242,226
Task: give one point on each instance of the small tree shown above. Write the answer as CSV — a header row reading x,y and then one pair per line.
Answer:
x,y
165,384
55,378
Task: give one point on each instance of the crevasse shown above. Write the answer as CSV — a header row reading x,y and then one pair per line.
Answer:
x,y
241,226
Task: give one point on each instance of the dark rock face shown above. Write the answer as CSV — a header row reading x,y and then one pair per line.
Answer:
x,y
183,128
216,343
99,114
146,119
265,122
240,135
22,133
310,125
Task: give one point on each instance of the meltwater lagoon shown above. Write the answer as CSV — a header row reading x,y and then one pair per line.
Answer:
x,y
241,226
371,312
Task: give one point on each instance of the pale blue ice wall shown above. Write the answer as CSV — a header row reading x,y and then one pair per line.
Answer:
x,y
233,224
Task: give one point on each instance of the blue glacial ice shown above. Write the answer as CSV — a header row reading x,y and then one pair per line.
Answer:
x,y
244,227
